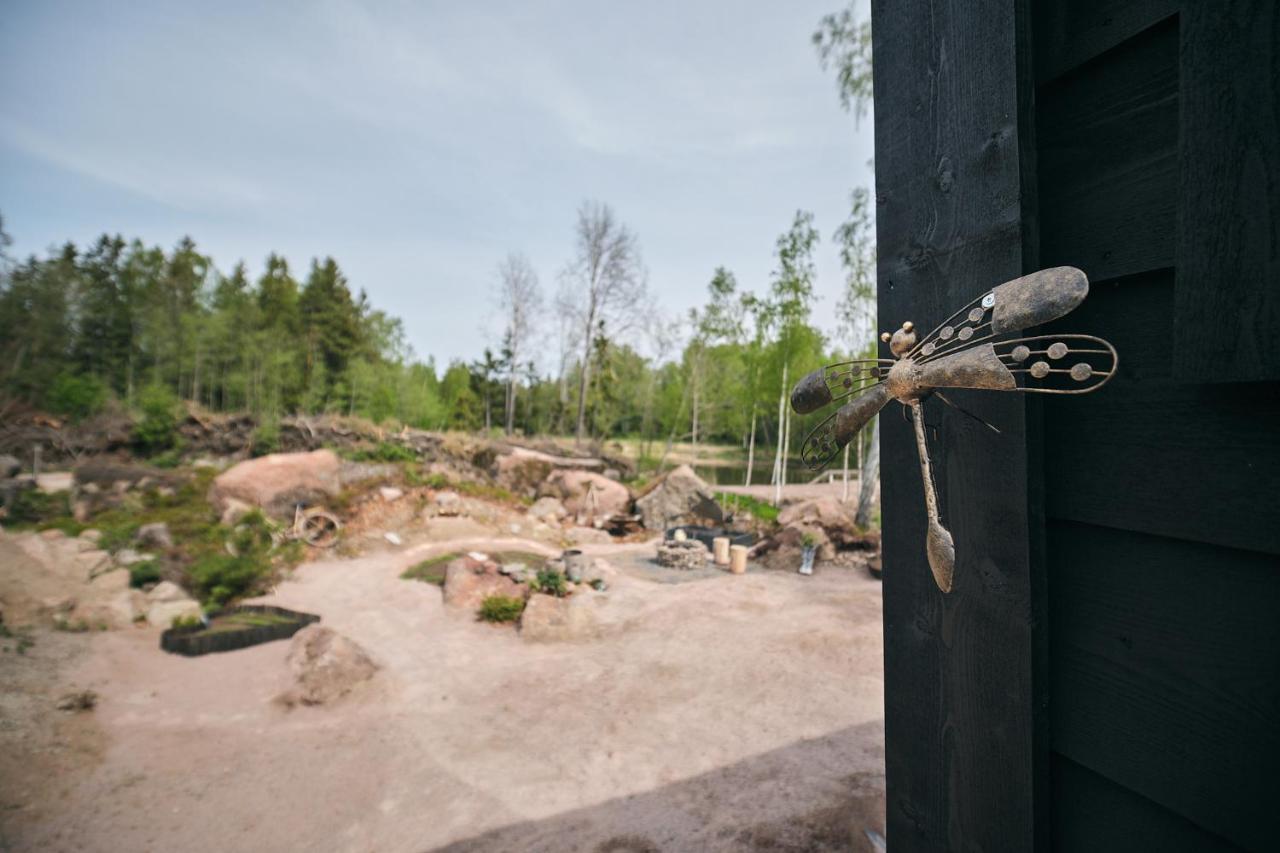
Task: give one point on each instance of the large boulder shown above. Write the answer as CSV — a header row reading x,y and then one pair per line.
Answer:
x,y
833,518
547,619
324,666
587,495
278,482
468,582
522,470
547,509
680,498
168,601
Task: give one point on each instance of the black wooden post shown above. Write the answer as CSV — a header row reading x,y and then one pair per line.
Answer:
x,y
965,722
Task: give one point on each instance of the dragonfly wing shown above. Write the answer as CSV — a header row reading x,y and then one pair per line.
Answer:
x,y
976,367
835,382
829,437
1019,304
1037,298
1045,364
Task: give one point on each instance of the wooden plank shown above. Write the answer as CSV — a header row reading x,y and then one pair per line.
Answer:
x,y
961,722
1165,660
1069,33
1153,454
1108,159
1228,297
1090,812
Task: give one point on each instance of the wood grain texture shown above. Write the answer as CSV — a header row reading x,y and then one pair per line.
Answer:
x,y
960,714
1151,453
1165,660
1092,813
1228,298
1069,33
1108,159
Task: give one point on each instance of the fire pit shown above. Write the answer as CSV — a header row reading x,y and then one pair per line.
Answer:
x,y
686,554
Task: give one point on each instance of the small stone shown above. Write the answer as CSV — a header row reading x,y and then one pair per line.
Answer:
x,y
155,535
234,510
448,503
128,557
392,538
391,493
91,535
52,533
79,700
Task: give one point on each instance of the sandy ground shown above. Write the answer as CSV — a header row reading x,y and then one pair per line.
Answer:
x,y
731,713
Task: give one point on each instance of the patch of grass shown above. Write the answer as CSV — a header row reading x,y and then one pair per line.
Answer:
x,y
501,608
549,581
71,626
34,508
22,635
141,574
434,481
762,510
170,458
490,492
430,570
383,451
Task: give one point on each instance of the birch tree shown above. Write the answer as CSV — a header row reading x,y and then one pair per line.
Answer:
x,y
520,301
602,287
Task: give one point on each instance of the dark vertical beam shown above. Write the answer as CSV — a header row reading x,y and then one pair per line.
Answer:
x,y
964,721
1227,299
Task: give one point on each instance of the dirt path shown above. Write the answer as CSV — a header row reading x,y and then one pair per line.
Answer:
x,y
735,713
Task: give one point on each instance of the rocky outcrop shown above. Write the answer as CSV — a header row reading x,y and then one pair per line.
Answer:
x,y
587,496
278,482
547,619
325,666
680,498
547,509
168,601
468,582
833,518
52,578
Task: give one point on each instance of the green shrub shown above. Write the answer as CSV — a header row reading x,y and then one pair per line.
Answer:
x,y
762,510
266,438
220,577
501,608
549,581
141,574
37,508
157,428
384,451
186,622
76,397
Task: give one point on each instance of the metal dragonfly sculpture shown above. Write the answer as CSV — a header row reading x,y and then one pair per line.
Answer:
x,y
970,349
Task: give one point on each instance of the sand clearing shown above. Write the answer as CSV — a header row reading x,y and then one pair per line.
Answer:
x,y
731,713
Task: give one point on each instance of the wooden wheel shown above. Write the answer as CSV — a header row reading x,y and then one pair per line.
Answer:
x,y
319,528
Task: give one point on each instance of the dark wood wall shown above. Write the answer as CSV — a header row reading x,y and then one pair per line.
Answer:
x,y
1162,491
1106,675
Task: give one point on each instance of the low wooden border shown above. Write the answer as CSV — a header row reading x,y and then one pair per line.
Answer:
x,y
194,640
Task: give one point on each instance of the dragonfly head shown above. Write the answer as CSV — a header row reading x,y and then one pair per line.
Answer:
x,y
901,341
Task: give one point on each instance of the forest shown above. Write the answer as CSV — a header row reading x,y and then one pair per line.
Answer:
x,y
122,323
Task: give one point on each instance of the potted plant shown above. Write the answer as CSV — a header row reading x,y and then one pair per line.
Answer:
x,y
809,547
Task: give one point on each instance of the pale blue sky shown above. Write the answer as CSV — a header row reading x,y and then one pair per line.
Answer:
x,y
418,142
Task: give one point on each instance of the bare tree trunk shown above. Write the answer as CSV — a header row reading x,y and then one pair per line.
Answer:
x,y
751,446
844,490
694,430
778,471
868,477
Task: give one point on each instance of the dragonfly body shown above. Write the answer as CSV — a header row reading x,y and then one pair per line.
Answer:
x,y
970,349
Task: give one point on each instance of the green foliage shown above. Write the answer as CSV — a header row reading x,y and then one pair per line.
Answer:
x,y
549,581
157,428
76,396
219,578
34,508
383,451
266,437
844,42
760,509
501,608
141,574
430,570
188,622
